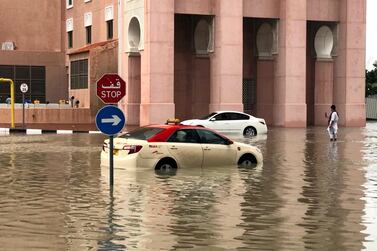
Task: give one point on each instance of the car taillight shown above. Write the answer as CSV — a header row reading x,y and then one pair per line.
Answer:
x,y
132,148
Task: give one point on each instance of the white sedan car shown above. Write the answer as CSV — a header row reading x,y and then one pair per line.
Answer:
x,y
231,122
168,147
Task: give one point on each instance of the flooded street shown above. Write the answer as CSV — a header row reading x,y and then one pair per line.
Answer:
x,y
310,194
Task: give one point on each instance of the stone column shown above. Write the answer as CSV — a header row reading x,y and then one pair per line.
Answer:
x,y
226,61
157,63
123,73
349,86
200,86
133,90
265,88
290,74
323,89
266,46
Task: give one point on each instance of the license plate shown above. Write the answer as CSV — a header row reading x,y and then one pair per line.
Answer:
x,y
115,152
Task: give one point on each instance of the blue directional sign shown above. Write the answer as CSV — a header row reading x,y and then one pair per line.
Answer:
x,y
110,120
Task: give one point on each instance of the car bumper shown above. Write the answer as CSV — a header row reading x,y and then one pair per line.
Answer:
x,y
262,129
128,162
259,156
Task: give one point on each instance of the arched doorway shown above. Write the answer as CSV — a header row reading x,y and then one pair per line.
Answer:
x,y
192,48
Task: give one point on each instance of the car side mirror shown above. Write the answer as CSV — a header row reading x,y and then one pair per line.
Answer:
x,y
212,119
230,142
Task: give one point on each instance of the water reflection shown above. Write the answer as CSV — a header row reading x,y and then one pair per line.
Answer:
x,y
331,193
370,187
310,193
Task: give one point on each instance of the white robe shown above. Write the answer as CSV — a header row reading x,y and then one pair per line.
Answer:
x,y
333,125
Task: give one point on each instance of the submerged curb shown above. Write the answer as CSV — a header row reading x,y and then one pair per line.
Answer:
x,y
41,131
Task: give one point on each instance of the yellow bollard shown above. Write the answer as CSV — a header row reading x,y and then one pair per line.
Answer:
x,y
10,81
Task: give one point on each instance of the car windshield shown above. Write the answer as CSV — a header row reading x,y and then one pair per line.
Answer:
x,y
143,133
208,116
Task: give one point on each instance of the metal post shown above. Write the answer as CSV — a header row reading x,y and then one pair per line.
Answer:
x,y
23,110
111,161
12,103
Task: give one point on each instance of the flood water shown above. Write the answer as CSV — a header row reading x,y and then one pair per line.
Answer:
x,y
310,194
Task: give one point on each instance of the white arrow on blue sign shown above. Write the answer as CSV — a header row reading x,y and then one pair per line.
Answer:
x,y
115,120
110,120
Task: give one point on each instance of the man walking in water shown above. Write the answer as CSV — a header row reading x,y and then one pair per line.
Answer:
x,y
333,123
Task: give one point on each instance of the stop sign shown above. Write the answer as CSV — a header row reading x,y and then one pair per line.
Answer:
x,y
111,88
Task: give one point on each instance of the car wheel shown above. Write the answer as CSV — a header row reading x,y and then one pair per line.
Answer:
x,y
250,131
166,166
247,161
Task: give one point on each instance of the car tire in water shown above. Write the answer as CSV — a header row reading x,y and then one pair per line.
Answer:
x,y
247,160
166,167
250,131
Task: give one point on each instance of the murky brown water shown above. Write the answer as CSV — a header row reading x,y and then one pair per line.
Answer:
x,y
310,194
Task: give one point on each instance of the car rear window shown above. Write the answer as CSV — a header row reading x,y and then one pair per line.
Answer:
x,y
208,116
143,133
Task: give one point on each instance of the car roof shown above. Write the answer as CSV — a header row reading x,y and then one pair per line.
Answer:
x,y
171,128
231,111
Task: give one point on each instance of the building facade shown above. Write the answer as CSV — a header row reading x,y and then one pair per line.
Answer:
x,y
32,49
284,60
91,47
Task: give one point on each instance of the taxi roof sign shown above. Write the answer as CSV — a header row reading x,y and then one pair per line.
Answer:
x,y
173,121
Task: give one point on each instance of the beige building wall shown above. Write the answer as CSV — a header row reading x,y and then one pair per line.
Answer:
x,y
99,27
56,84
102,56
34,26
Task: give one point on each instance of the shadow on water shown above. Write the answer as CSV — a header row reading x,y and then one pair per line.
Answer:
x,y
309,194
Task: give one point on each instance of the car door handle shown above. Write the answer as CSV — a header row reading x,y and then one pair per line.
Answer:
x,y
207,149
173,148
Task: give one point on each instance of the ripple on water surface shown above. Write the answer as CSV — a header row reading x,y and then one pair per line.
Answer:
x,y
310,194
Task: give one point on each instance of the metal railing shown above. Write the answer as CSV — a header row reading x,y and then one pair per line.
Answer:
x,y
40,105
371,107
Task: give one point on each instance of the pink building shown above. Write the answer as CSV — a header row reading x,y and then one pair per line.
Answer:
x,y
284,60
32,48
91,46
59,48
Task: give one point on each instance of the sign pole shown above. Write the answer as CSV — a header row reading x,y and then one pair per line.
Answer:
x,y
111,158
12,104
24,88
110,120
23,110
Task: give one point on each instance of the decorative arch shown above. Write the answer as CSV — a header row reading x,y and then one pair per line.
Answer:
x,y
265,40
324,42
202,37
134,34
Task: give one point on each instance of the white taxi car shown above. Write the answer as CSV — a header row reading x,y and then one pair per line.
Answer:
x,y
231,122
168,147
